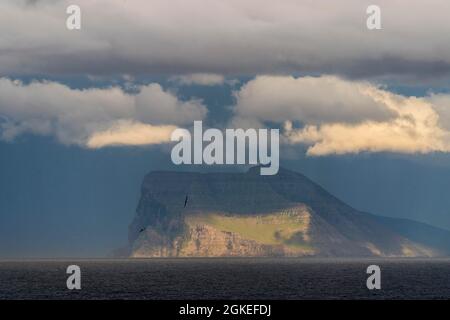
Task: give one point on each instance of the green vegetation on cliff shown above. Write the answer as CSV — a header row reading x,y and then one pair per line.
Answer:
x,y
282,228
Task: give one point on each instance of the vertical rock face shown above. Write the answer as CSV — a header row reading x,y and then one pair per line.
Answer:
x,y
244,214
209,234
206,241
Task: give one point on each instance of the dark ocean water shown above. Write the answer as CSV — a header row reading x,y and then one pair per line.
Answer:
x,y
226,279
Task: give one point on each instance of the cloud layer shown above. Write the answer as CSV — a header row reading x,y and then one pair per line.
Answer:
x,y
92,117
226,37
328,114
335,116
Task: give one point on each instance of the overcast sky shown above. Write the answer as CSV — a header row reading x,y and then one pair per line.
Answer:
x,y
226,37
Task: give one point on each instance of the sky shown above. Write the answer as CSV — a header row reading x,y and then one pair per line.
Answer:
x,y
85,114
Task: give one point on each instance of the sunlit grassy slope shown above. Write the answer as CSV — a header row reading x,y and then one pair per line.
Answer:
x,y
273,229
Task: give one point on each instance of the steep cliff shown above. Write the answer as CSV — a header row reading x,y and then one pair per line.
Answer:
x,y
244,214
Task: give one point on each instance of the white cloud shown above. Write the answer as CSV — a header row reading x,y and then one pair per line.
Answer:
x,y
128,133
308,99
226,37
153,105
203,79
339,116
441,103
75,116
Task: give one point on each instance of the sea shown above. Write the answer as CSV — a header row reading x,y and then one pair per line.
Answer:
x,y
226,278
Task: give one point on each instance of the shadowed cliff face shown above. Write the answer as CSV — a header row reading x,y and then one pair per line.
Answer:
x,y
245,214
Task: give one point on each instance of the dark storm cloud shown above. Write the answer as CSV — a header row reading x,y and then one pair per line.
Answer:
x,y
226,37
390,65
